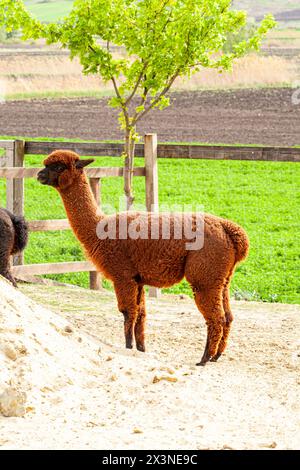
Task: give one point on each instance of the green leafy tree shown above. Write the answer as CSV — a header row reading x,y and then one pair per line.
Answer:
x,y
162,39
245,33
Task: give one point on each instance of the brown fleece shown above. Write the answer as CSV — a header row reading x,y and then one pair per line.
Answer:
x,y
13,239
132,263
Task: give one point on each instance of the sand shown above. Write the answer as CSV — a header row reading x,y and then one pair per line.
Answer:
x,y
67,382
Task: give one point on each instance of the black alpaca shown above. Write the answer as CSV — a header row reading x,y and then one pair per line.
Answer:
x,y
13,239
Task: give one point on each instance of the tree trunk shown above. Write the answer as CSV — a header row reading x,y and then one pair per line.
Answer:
x,y
129,163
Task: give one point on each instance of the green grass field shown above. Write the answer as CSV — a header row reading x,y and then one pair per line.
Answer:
x,y
263,197
51,10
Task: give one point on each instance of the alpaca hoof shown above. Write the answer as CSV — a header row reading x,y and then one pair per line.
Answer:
x,y
202,363
205,358
141,348
13,282
216,357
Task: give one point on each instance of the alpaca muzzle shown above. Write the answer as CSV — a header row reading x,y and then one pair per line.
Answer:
x,y
42,177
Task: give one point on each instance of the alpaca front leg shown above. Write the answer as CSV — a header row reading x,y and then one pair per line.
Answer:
x,y
139,329
127,293
129,324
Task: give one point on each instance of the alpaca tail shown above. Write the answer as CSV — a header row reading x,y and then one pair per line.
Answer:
x,y
239,238
21,232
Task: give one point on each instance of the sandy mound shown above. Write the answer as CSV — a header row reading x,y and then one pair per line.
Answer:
x,y
66,380
42,355
39,353
50,368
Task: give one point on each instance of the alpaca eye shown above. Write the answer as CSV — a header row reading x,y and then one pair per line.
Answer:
x,y
60,168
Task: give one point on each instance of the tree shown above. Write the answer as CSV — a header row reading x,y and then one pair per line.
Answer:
x,y
245,33
162,39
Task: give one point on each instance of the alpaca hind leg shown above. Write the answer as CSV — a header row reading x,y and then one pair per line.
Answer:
x,y
126,293
7,274
5,264
139,329
210,305
10,278
227,325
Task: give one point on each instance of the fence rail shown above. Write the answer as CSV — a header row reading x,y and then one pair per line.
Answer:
x,y
193,151
48,225
52,268
100,172
14,172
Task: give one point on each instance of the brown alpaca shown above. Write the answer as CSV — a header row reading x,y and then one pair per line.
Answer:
x,y
13,240
132,263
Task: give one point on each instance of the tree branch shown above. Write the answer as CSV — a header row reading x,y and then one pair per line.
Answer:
x,y
114,82
137,117
122,102
136,85
142,102
156,100
92,49
123,105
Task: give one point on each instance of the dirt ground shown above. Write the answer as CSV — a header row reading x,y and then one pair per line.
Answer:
x,y
261,116
248,400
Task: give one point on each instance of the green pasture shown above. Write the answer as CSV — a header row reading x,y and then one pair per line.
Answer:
x,y
263,197
51,10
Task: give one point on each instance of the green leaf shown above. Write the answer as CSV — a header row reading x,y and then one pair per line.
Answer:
x,y
139,109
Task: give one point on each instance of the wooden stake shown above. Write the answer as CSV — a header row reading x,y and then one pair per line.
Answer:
x,y
95,276
150,149
15,188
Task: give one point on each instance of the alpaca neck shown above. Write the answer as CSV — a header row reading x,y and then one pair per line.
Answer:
x,y
82,211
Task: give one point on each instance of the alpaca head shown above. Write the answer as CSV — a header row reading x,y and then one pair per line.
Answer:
x,y
62,168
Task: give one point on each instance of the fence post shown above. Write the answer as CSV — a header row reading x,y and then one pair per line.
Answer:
x,y
15,187
150,153
8,152
95,276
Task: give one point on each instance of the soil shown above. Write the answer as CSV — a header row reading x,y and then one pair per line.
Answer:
x,y
85,390
260,116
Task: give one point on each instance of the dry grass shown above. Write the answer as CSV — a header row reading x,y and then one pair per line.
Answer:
x,y
284,33
283,38
43,64
32,75
29,75
251,71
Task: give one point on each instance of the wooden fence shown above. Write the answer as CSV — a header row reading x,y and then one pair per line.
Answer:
x,y
14,172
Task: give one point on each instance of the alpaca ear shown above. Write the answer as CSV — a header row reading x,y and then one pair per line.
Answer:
x,y
82,163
